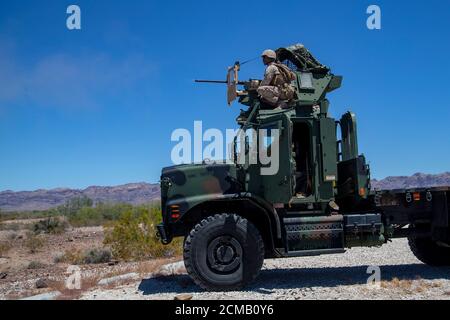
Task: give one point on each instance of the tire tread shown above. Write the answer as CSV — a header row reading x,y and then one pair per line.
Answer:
x,y
192,234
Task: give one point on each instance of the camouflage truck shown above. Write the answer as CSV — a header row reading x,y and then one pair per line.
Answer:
x,y
320,200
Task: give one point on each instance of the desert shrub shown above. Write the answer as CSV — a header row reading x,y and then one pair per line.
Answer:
x,y
36,265
12,236
23,215
91,256
101,214
4,248
72,206
69,256
34,242
11,226
86,216
133,236
52,225
79,212
95,256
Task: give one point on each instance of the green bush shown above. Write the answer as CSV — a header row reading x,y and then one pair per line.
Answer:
x,y
78,211
95,256
53,225
133,236
98,215
74,205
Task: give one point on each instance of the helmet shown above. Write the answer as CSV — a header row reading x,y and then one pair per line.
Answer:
x,y
269,54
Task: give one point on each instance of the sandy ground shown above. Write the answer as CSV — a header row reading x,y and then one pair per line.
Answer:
x,y
341,276
18,280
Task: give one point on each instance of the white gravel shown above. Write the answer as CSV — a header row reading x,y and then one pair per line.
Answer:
x,y
338,276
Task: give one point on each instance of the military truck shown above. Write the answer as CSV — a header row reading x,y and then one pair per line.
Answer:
x,y
320,201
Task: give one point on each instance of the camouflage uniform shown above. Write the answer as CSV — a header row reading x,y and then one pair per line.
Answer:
x,y
275,89
267,91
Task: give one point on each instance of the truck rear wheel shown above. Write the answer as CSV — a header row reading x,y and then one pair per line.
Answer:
x,y
429,252
223,252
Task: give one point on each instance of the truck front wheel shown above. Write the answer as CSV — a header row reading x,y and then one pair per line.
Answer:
x,y
223,252
429,252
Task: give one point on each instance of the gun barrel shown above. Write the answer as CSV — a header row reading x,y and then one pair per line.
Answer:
x,y
219,81
210,81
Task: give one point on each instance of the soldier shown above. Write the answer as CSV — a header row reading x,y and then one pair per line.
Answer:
x,y
276,89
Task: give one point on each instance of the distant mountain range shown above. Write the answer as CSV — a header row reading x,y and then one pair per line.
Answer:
x,y
418,180
133,193
139,193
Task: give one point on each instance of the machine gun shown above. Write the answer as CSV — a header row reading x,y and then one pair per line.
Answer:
x,y
233,81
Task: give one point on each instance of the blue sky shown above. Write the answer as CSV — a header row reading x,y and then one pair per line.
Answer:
x,y
97,106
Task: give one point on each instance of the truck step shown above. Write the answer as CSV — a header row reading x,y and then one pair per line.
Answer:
x,y
306,253
314,235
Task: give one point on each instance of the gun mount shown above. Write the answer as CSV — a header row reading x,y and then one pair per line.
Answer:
x,y
313,81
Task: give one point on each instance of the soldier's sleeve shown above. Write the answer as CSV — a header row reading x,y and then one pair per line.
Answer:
x,y
269,75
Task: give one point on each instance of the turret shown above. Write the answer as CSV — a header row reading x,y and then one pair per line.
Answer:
x,y
314,80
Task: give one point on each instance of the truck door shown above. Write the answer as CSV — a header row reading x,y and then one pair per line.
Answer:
x,y
274,139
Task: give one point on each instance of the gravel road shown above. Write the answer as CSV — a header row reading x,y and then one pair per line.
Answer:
x,y
339,276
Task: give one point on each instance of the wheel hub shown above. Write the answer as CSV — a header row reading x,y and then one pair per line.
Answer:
x,y
224,254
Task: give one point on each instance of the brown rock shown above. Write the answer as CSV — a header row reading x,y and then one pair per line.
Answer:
x,y
41,283
113,263
183,297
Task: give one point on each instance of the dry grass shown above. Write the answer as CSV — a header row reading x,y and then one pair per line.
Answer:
x,y
90,282
4,248
34,242
12,236
118,283
34,265
87,283
74,257
77,256
409,286
14,226
146,267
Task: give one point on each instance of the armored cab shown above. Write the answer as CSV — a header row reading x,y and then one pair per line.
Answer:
x,y
315,167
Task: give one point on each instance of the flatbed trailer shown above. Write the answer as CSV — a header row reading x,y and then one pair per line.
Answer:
x,y
419,213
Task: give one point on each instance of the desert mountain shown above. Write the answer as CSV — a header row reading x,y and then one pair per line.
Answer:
x,y
133,193
139,193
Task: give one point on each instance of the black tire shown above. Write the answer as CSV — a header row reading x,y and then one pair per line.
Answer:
x,y
223,252
430,253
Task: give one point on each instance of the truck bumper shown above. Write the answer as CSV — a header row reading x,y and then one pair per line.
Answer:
x,y
164,234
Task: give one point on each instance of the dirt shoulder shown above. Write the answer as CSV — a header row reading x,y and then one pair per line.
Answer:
x,y
341,276
27,269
